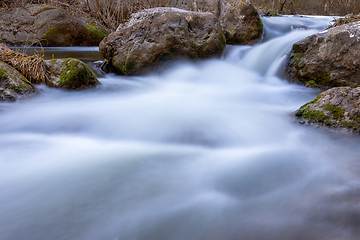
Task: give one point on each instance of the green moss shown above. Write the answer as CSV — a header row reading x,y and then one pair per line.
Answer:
x,y
355,118
52,32
313,101
351,125
24,79
296,58
53,60
223,40
97,32
76,74
337,112
323,79
44,9
311,84
316,116
19,88
3,75
127,68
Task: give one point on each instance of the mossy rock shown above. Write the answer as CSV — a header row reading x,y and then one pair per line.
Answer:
x,y
13,85
63,35
337,108
70,74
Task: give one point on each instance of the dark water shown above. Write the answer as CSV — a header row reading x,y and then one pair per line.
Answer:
x,y
205,150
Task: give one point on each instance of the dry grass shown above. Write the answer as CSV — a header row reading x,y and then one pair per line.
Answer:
x,y
33,68
345,20
113,12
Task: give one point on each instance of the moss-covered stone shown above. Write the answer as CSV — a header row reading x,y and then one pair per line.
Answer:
x,y
337,112
13,85
355,118
70,74
76,74
316,116
296,58
351,125
97,32
311,84
312,101
3,75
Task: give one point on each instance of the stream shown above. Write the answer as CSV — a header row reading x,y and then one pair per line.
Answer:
x,y
205,150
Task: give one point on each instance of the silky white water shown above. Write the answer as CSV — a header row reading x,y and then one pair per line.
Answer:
x,y
202,150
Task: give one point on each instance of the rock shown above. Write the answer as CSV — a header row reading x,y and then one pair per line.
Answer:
x,y
13,85
49,26
158,34
238,18
330,58
240,21
337,107
70,74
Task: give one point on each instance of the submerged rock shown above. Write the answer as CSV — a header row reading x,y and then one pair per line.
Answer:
x,y
13,85
70,74
49,26
337,107
159,34
330,58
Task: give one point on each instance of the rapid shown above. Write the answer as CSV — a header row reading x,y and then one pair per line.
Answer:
x,y
205,150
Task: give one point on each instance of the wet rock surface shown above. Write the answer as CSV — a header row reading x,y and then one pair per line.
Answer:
x,y
49,26
330,58
337,108
13,85
156,35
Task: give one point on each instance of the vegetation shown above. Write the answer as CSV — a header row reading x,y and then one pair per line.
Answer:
x,y
75,74
336,111
345,20
316,116
311,84
32,67
319,7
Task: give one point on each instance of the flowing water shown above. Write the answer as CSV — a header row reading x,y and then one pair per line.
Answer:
x,y
205,150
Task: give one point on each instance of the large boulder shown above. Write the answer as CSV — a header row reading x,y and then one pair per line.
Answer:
x,y
238,18
330,58
337,107
46,25
71,74
154,35
13,85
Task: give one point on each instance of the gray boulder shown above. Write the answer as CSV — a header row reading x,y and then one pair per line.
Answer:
x,y
238,18
13,85
158,34
337,107
330,58
49,25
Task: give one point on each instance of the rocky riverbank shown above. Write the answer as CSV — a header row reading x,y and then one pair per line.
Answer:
x,y
19,72
330,59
